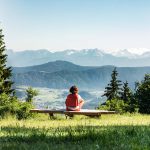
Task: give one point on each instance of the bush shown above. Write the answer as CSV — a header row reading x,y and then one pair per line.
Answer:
x,y
13,106
23,111
114,105
8,105
30,94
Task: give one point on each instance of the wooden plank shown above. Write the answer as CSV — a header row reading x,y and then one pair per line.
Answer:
x,y
89,112
60,111
81,112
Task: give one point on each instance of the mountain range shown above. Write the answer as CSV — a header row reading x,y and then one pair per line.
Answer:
x,y
63,74
85,57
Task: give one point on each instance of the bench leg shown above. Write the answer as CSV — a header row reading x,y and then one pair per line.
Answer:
x,y
66,116
94,116
69,115
51,115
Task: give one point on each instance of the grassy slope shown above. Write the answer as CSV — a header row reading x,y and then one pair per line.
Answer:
x,y
109,132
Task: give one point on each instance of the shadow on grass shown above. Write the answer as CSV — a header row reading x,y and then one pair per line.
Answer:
x,y
79,137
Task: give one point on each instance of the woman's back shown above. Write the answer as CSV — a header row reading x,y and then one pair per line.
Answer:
x,y
72,100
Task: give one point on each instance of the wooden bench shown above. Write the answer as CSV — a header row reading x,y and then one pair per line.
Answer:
x,y
86,112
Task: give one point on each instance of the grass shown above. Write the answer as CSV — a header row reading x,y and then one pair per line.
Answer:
x,y
118,132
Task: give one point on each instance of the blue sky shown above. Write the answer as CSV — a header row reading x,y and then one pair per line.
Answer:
x,y
75,24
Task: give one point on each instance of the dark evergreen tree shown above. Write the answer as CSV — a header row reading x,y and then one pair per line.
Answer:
x,y
126,93
137,83
5,72
9,104
143,95
113,89
129,98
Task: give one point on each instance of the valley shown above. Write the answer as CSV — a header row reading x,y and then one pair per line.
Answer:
x,y
55,98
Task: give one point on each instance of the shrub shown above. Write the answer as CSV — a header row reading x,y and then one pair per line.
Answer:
x,y
114,105
23,111
30,94
13,106
8,104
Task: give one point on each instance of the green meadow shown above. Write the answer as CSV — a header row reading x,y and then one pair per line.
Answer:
x,y
109,132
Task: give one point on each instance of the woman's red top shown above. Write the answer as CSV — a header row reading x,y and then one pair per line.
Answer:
x,y
72,101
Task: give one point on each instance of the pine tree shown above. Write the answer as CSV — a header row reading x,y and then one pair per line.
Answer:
x,y
126,93
112,91
143,95
5,72
129,98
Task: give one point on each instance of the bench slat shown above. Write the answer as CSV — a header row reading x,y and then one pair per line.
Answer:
x,y
47,111
81,112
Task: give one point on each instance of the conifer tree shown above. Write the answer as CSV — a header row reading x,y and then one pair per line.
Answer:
x,y
112,90
129,98
126,92
143,95
5,72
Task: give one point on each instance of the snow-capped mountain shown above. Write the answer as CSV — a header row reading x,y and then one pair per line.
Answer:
x,y
130,53
124,53
85,57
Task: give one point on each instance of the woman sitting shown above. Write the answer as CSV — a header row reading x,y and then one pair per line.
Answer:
x,y
74,102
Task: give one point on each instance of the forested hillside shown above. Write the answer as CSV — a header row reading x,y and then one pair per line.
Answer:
x,y
62,74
